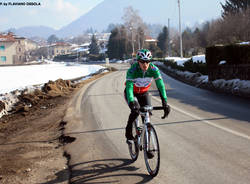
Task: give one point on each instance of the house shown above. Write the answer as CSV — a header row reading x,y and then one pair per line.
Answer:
x,y
14,49
149,40
59,48
83,48
30,45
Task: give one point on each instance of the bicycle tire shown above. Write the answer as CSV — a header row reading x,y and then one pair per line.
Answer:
x,y
133,147
154,148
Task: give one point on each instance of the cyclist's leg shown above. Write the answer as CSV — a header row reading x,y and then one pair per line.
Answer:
x,y
144,99
132,117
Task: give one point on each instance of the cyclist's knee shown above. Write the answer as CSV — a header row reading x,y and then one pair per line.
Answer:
x,y
135,113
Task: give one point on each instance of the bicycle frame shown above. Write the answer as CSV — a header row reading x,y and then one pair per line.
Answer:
x,y
146,122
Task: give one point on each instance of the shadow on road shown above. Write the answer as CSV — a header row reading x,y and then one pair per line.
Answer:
x,y
225,105
155,124
103,171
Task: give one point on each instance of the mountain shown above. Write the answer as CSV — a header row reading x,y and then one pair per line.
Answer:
x,y
109,11
33,31
152,12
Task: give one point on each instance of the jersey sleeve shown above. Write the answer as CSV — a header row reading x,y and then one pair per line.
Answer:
x,y
161,87
159,82
130,85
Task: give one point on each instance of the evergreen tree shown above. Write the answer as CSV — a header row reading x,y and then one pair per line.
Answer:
x,y
52,39
113,44
234,7
118,43
93,47
188,41
111,27
203,35
123,43
163,40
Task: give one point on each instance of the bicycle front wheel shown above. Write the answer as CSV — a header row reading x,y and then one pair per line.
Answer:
x,y
133,145
151,151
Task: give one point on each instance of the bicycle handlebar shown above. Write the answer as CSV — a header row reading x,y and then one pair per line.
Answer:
x,y
149,108
158,108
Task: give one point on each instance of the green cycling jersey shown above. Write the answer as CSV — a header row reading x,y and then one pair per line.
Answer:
x,y
139,81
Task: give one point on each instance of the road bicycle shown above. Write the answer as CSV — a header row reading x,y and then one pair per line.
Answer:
x,y
145,138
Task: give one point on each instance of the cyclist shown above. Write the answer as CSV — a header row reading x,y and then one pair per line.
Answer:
x,y
138,81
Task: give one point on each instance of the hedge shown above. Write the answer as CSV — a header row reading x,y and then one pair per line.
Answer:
x,y
188,66
237,57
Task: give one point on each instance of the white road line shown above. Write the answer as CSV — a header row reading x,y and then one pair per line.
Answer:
x,y
208,122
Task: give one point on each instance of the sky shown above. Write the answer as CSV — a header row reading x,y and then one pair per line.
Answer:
x,y
52,13
59,13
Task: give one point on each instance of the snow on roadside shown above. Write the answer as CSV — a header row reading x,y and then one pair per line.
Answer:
x,y
244,43
180,61
234,86
15,79
199,58
18,77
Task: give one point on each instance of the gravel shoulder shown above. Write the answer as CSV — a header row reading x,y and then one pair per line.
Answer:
x,y
31,138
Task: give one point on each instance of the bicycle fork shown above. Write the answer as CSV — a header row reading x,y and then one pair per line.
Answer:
x,y
143,133
138,133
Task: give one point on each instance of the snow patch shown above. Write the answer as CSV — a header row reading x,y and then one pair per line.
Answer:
x,y
222,62
180,61
15,80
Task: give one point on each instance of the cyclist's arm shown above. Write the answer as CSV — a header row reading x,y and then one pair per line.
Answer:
x,y
160,84
129,90
161,87
130,84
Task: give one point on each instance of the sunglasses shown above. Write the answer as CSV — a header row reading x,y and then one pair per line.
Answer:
x,y
144,61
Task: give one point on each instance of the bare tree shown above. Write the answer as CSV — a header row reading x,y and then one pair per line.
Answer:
x,y
136,28
231,29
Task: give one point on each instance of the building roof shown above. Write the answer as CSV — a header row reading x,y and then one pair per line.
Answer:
x,y
10,37
150,39
60,44
85,44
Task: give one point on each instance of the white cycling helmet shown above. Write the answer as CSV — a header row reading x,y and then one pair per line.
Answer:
x,y
144,54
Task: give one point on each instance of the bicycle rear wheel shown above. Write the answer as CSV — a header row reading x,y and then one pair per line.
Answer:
x,y
151,151
133,145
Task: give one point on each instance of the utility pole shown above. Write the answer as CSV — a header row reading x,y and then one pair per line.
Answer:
x,y
169,47
180,32
139,43
132,39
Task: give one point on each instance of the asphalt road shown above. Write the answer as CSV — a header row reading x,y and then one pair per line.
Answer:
x,y
205,139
